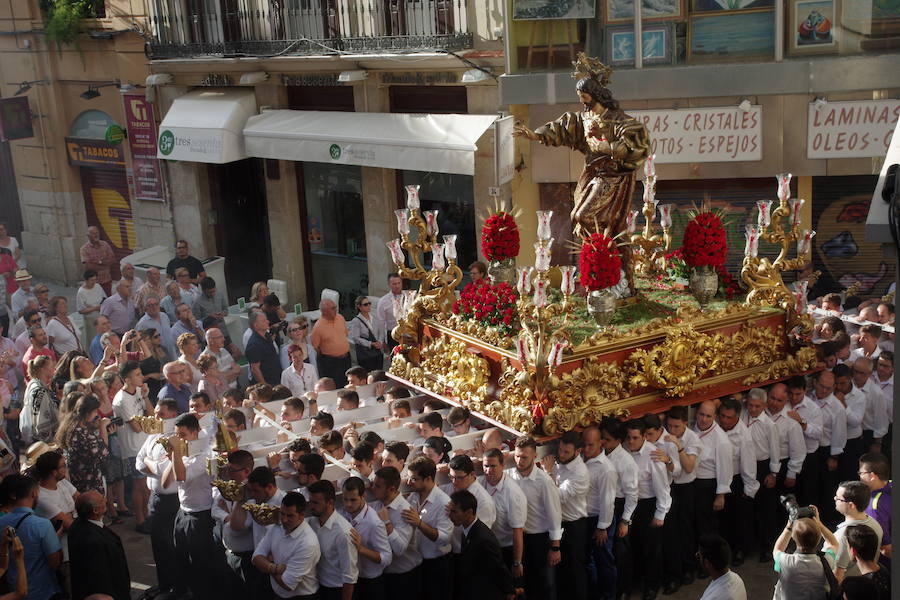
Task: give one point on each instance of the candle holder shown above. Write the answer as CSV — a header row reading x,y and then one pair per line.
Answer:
x,y
435,293
540,345
653,246
763,276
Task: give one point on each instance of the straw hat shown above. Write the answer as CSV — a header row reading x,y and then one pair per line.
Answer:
x,y
22,275
35,451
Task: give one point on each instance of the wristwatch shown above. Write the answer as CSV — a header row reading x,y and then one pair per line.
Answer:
x,y
517,563
554,548
626,522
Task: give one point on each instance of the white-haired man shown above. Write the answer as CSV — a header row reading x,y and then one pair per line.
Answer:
x,y
329,339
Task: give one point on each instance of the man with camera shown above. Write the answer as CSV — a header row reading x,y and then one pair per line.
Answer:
x,y
805,573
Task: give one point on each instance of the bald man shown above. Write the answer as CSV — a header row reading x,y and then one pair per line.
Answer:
x,y
715,469
97,557
98,255
832,440
329,339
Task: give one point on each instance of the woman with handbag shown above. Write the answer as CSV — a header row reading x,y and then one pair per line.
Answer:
x,y
365,333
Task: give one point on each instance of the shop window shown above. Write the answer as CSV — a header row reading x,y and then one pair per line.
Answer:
x,y
336,231
453,198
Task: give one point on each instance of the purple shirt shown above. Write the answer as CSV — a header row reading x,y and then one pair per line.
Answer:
x,y
880,509
119,312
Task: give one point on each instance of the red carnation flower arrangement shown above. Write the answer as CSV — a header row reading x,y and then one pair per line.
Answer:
x,y
704,242
600,263
500,237
491,304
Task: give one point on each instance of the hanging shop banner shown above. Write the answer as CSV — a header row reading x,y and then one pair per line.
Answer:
x,y
720,134
850,129
94,153
15,119
504,150
148,183
141,126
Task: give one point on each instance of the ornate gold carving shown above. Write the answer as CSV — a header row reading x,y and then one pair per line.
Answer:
x,y
488,335
579,396
453,366
230,490
803,360
149,425
263,514
676,364
513,403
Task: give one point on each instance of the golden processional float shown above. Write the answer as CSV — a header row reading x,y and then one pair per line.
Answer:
x,y
530,352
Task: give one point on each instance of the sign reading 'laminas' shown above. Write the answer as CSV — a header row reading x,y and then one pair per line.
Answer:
x,y
850,129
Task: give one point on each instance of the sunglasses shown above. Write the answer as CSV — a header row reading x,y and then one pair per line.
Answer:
x,y
366,304
298,328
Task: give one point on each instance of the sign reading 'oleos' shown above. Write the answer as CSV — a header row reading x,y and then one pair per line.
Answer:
x,y
857,129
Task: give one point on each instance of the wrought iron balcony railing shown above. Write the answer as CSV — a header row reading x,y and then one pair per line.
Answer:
x,y
188,28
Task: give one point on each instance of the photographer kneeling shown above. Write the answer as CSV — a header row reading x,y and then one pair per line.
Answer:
x,y
805,574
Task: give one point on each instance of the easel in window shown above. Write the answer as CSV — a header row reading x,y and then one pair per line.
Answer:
x,y
550,27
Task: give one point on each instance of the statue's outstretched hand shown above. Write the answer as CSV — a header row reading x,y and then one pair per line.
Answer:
x,y
520,130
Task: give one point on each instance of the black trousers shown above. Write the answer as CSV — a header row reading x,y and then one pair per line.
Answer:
x,y
163,508
370,589
404,585
849,466
621,567
737,520
437,578
334,367
198,559
571,576
597,558
765,509
706,520
808,481
647,542
241,570
327,593
678,533
828,484
534,564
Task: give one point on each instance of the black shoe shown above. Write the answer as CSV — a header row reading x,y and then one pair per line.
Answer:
x,y
765,556
623,596
670,588
649,595
738,559
688,579
701,575
143,528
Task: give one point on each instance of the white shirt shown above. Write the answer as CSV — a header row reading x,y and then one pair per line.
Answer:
x,y
155,453
20,300
602,490
843,559
877,416
195,492
338,564
692,445
53,502
63,338
573,482
716,461
791,442
236,541
729,586
433,510
384,312
856,410
887,390
810,412
766,442
860,353
196,375
486,511
626,472
743,461
511,508
374,537
544,510
259,531
834,424
299,551
653,480
128,406
299,383
801,576
406,556
85,298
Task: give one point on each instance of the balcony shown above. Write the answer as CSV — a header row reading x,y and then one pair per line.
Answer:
x,y
195,28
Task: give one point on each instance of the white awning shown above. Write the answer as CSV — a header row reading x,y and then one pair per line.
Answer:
x,y
440,143
206,126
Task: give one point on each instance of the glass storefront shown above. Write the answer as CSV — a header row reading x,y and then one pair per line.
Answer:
x,y
336,231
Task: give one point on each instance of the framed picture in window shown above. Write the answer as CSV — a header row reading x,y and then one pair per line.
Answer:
x,y
731,36
656,48
698,6
622,11
524,10
812,26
